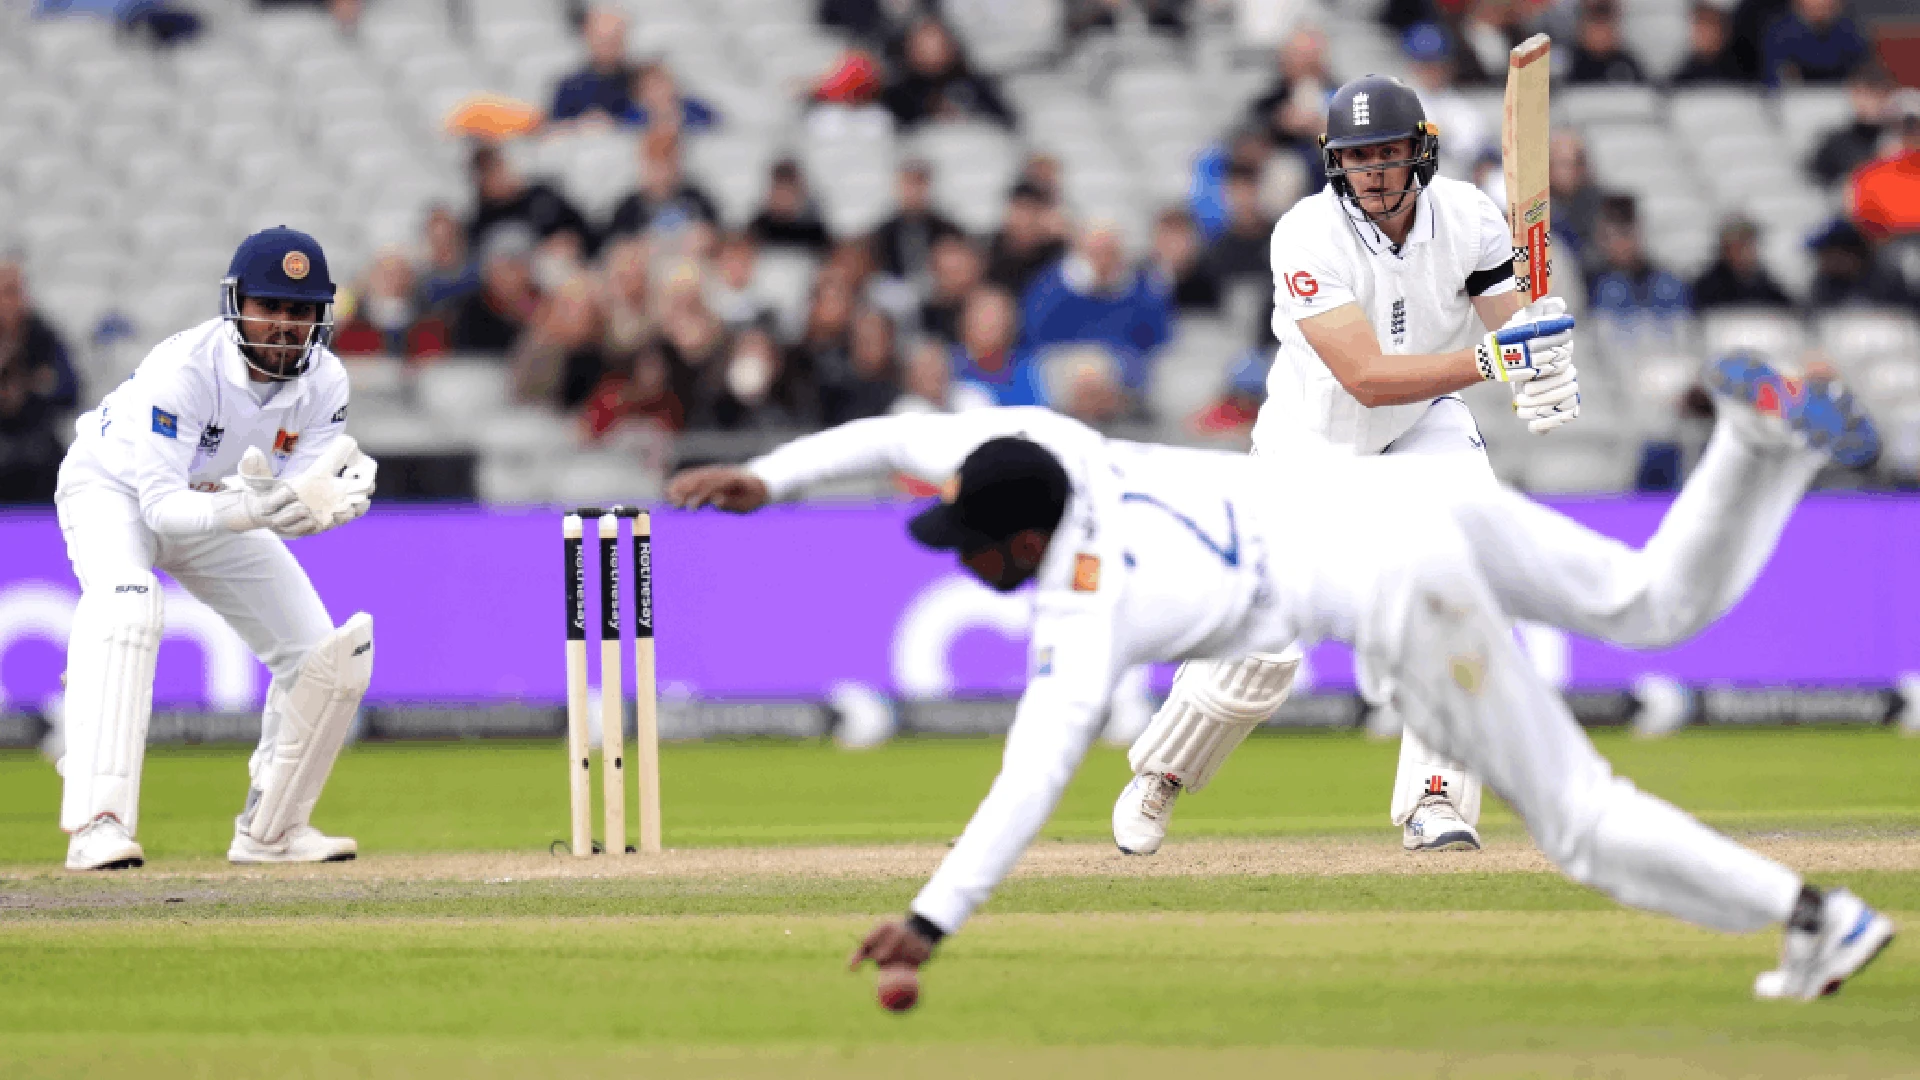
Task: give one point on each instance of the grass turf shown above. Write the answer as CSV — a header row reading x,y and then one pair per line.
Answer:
x,y
1474,975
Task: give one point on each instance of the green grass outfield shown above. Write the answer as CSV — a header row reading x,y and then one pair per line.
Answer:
x,y
454,967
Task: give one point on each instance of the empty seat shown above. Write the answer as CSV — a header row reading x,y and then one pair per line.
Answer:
x,y
463,388
1779,338
1858,337
1608,104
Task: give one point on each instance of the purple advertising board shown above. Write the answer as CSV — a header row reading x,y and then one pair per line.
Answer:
x,y
791,603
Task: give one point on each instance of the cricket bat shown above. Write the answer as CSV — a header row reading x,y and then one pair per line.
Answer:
x,y
1523,151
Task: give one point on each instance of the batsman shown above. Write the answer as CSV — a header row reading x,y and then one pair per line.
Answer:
x,y
228,438
1386,285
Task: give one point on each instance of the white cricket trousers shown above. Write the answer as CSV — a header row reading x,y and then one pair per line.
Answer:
x,y
1437,624
250,579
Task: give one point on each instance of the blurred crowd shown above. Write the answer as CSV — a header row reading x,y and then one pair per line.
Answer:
x,y
660,315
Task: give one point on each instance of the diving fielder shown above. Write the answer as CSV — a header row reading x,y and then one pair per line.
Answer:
x,y
225,440
1142,554
1382,284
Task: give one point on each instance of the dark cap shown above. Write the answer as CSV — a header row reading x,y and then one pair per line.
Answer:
x,y
281,264
1005,486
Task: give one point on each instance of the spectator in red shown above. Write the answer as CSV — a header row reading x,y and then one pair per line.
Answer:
x,y
1710,59
1737,277
1177,266
502,196
956,272
1844,149
904,242
642,394
936,85
1600,55
789,219
665,204
1814,42
873,380
1029,241
601,89
491,320
1884,197
38,389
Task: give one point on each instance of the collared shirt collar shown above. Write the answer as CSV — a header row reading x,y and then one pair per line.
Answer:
x,y
1425,225
233,368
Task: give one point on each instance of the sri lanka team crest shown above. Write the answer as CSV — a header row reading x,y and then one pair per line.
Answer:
x,y
284,441
296,265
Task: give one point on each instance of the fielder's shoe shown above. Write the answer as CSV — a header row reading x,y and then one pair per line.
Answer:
x,y
104,844
302,844
1831,419
1435,825
1761,396
1141,814
1828,939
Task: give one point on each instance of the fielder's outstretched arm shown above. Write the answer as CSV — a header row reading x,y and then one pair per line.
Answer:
x,y
1074,669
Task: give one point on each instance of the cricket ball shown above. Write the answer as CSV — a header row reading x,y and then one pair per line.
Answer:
x,y
899,988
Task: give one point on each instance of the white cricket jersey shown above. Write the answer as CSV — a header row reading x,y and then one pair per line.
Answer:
x,y
179,424
1163,554
1326,254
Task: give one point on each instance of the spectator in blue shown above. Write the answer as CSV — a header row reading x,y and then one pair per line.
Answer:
x,y
1248,148
988,359
1815,42
656,98
1627,286
38,389
1092,295
604,86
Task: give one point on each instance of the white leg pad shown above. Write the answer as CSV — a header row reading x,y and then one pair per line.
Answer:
x,y
1416,776
1212,708
110,662
316,711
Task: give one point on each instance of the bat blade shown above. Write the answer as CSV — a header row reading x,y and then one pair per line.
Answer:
x,y
1523,148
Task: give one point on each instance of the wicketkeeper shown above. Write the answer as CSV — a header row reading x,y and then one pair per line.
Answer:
x,y
227,438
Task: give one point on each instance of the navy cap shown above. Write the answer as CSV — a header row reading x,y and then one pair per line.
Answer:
x,y
1007,485
281,264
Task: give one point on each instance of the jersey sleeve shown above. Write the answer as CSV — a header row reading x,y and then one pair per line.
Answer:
x,y
1492,272
928,447
1072,668
1309,276
169,413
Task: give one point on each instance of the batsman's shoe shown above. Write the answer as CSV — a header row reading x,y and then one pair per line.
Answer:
x,y
302,844
104,844
1435,825
1816,959
1141,814
1831,419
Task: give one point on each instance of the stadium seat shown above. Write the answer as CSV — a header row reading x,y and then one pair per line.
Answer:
x,y
1583,105
1808,114
1779,338
1858,337
455,389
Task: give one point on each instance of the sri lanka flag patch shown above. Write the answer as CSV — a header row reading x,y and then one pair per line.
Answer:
x,y
165,423
284,441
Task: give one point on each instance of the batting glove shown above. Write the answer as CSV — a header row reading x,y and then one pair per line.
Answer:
x,y
1548,401
1537,341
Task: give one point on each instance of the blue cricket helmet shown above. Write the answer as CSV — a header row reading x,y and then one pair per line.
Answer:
x,y
280,264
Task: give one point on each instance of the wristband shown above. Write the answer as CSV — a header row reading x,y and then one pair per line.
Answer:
x,y
924,926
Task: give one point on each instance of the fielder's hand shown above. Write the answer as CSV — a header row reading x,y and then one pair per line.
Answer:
x,y
892,943
727,487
